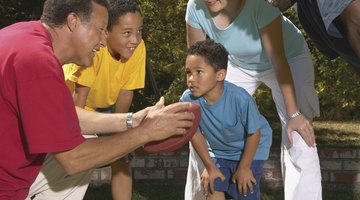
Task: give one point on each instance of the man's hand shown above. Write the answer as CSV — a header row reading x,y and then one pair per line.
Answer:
x,y
139,116
164,121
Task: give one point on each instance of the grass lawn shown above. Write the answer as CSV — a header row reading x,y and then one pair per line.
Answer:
x,y
329,134
149,191
338,134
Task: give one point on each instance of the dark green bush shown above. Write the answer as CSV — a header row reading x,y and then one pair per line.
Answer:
x,y
337,85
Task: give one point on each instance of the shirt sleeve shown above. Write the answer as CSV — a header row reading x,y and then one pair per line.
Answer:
x,y
250,114
70,76
193,10
86,75
137,69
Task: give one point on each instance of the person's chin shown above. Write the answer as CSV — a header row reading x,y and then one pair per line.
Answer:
x,y
87,63
196,95
126,54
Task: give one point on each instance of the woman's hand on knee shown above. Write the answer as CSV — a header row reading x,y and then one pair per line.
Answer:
x,y
304,127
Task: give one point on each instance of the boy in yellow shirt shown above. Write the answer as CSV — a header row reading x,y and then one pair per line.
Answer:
x,y
108,86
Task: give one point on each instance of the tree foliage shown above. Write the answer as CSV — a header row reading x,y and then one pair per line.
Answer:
x,y
337,86
166,45
19,10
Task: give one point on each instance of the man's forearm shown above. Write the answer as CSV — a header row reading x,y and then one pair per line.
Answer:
x,y
97,152
160,123
93,122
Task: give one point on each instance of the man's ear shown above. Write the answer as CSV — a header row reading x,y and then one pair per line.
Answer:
x,y
106,33
72,21
220,75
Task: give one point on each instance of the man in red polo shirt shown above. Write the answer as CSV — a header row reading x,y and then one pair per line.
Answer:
x,y
37,114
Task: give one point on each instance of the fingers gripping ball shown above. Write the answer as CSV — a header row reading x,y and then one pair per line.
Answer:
x,y
175,142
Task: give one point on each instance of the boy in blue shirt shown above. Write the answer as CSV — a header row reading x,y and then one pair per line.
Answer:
x,y
234,139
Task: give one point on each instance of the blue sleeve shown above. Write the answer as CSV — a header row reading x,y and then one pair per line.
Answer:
x,y
250,114
185,97
192,15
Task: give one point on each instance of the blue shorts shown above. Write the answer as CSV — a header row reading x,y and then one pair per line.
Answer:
x,y
228,168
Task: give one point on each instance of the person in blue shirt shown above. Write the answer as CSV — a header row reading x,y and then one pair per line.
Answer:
x,y
238,136
265,48
333,26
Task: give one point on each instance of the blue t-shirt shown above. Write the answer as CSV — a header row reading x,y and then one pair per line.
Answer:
x,y
242,37
227,123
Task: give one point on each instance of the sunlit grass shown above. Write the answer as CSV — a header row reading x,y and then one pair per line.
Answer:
x,y
329,134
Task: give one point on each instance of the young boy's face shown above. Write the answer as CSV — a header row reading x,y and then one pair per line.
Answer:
x,y
201,78
125,36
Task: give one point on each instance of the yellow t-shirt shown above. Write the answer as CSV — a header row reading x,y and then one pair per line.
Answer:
x,y
107,76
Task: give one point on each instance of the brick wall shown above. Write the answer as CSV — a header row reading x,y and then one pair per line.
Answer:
x,y
340,168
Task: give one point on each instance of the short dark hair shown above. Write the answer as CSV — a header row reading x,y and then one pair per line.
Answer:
x,y
214,53
119,8
55,12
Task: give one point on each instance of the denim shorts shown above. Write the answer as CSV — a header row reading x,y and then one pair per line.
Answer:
x,y
228,168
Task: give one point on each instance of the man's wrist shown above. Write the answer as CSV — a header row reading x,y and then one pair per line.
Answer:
x,y
129,120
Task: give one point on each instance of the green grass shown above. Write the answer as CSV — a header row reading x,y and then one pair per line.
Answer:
x,y
150,191
338,134
329,134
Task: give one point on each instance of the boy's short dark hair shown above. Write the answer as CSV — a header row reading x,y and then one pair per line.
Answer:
x,y
119,8
55,12
214,53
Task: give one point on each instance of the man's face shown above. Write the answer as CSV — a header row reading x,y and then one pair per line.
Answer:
x,y
90,36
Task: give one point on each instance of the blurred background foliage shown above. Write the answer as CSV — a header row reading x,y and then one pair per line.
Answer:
x,y
337,85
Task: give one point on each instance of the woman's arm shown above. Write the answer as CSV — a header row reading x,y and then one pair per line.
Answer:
x,y
272,38
194,35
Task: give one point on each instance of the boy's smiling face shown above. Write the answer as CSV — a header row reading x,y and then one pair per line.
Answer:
x,y
125,36
201,78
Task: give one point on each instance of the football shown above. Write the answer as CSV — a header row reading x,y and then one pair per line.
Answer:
x,y
175,142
